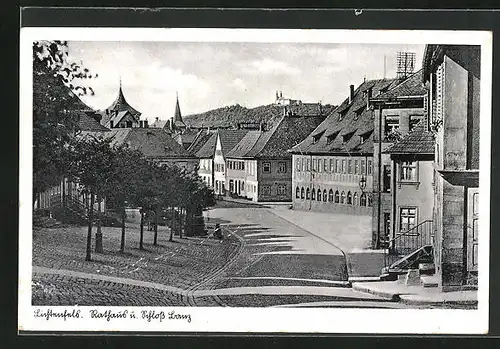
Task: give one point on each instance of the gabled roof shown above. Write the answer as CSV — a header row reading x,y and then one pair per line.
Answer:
x,y
349,117
158,123
199,141
187,136
152,142
409,87
418,141
88,122
241,149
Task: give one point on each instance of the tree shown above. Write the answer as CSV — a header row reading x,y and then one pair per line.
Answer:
x,y
91,165
57,83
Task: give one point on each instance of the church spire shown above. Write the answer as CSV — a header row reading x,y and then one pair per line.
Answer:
x,y
177,122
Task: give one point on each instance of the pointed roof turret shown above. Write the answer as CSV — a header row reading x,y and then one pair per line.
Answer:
x,y
177,121
120,104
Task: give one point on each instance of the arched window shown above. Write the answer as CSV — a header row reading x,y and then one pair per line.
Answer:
x,y
337,197
355,199
313,195
342,198
308,194
330,195
319,195
362,200
297,193
349,198
302,193
369,200
324,195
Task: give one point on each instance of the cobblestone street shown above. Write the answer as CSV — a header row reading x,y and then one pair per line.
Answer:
x,y
264,260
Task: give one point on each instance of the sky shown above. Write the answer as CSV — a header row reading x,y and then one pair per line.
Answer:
x,y
211,75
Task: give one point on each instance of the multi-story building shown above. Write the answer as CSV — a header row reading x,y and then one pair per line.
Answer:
x,y
333,166
260,166
452,74
214,146
395,113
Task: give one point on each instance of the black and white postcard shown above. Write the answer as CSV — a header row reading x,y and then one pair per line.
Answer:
x,y
254,180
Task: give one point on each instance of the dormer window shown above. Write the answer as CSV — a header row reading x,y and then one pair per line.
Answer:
x,y
331,137
358,112
317,137
347,137
364,137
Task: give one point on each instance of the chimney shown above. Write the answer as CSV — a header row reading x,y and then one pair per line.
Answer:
x,y
111,124
277,96
157,118
146,124
281,94
351,93
141,123
368,96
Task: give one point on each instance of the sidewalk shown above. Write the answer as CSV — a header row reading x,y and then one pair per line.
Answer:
x,y
416,295
352,234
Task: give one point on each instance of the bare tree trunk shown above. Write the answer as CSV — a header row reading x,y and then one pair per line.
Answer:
x,y
98,234
171,225
122,244
90,217
156,228
142,230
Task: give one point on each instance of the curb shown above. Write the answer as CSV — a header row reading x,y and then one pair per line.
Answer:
x,y
386,295
410,300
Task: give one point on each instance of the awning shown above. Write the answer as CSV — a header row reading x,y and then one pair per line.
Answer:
x,y
469,178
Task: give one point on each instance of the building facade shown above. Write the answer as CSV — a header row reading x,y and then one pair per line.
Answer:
x,y
396,112
452,74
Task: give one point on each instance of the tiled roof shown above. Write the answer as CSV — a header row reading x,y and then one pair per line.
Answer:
x,y
121,104
152,142
158,123
350,117
208,143
199,141
418,141
87,122
412,86
245,145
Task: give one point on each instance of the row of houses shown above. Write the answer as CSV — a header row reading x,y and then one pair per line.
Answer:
x,y
402,151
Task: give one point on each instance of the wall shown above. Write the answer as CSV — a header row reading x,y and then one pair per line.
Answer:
x,y
274,180
219,169
205,171
335,180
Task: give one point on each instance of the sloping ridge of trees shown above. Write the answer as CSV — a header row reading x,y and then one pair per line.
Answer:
x,y
231,116
121,175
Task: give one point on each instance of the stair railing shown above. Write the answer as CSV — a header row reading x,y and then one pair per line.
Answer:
x,y
408,241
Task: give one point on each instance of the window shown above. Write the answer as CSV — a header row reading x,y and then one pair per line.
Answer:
x,y
408,171
297,165
313,194
325,165
362,200
337,165
319,195
407,218
337,197
231,186
302,192
222,167
320,165
325,197
281,167
281,189
414,120
266,190
315,164
349,198
369,167
386,184
343,166
243,166
308,164
332,166
355,199
362,167
308,193
391,124
356,167
342,198
369,199
297,193
349,166
330,195
302,164
266,167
